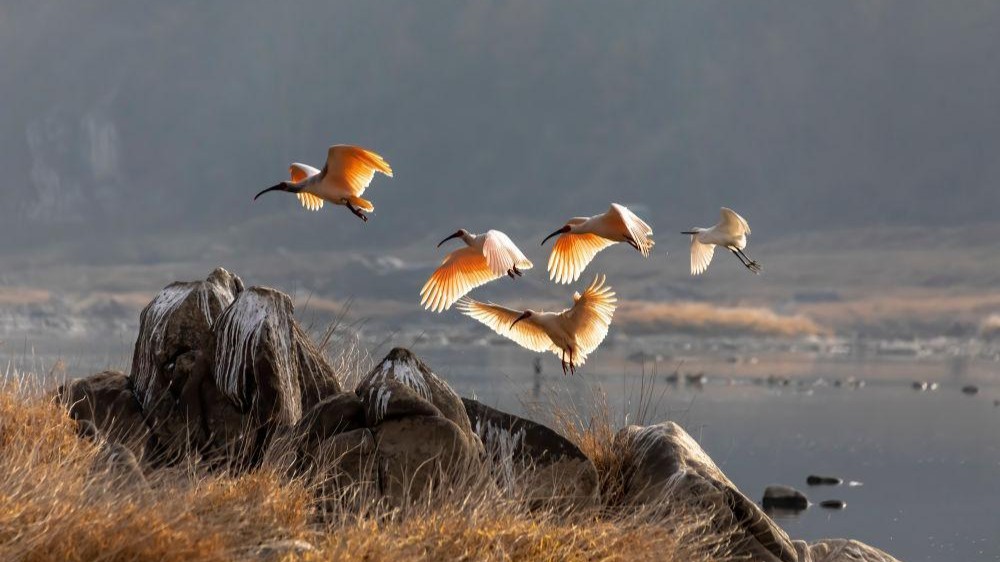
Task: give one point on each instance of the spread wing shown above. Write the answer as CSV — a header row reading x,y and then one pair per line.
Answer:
x,y
590,317
732,223
354,167
502,254
571,253
701,255
636,228
499,319
300,172
461,271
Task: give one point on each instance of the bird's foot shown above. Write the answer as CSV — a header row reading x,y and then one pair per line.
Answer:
x,y
510,273
754,267
631,242
517,271
357,212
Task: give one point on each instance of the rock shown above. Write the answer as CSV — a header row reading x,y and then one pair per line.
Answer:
x,y
417,453
415,382
970,389
119,460
816,480
784,497
840,550
529,455
105,404
335,414
317,378
662,465
920,385
172,361
833,504
284,551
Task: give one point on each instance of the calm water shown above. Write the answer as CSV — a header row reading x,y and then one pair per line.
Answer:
x,y
929,462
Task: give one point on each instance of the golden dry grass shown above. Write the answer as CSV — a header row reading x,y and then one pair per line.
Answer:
x,y
61,499
695,317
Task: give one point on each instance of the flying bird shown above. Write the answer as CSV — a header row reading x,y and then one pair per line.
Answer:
x,y
347,173
572,334
582,237
731,233
484,257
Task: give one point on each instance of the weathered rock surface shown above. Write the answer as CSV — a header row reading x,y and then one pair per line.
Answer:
x,y
105,404
172,360
547,466
417,453
840,550
382,391
663,465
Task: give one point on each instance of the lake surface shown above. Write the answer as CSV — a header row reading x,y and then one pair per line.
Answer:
x,y
928,462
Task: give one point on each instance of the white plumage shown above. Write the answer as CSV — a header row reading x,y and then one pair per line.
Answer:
x,y
731,233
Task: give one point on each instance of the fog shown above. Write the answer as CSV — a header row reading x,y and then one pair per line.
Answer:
x,y
123,121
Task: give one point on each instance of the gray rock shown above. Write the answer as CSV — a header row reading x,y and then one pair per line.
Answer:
x,y
530,456
784,497
105,404
970,389
833,504
663,465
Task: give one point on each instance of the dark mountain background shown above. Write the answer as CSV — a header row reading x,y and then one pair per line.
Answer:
x,y
125,122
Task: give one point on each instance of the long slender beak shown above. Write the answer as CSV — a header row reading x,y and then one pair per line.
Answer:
x,y
689,232
562,230
519,318
280,187
456,235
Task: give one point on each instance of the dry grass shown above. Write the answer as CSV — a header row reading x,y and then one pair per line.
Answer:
x,y
694,317
61,499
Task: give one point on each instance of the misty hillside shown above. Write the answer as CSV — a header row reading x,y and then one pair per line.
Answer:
x,y
123,119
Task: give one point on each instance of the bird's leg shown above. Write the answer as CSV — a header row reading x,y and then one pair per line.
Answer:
x,y
738,256
562,359
510,273
631,241
517,271
357,212
572,368
752,264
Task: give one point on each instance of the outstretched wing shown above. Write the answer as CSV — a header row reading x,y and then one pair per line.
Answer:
x,y
571,253
300,172
461,271
354,167
502,254
732,223
701,255
637,229
590,317
499,318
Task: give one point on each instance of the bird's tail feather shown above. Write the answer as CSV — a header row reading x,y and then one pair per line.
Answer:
x,y
361,203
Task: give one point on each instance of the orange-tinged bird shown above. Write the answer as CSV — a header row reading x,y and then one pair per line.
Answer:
x,y
582,237
348,172
572,334
484,258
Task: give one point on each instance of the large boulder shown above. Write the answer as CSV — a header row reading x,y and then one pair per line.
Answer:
x,y
423,436
532,458
105,404
173,357
663,465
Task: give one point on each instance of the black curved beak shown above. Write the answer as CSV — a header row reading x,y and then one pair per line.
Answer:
x,y
562,230
456,235
519,318
280,187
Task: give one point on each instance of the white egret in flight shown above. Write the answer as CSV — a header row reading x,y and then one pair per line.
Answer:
x,y
347,173
484,257
572,334
582,237
731,233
